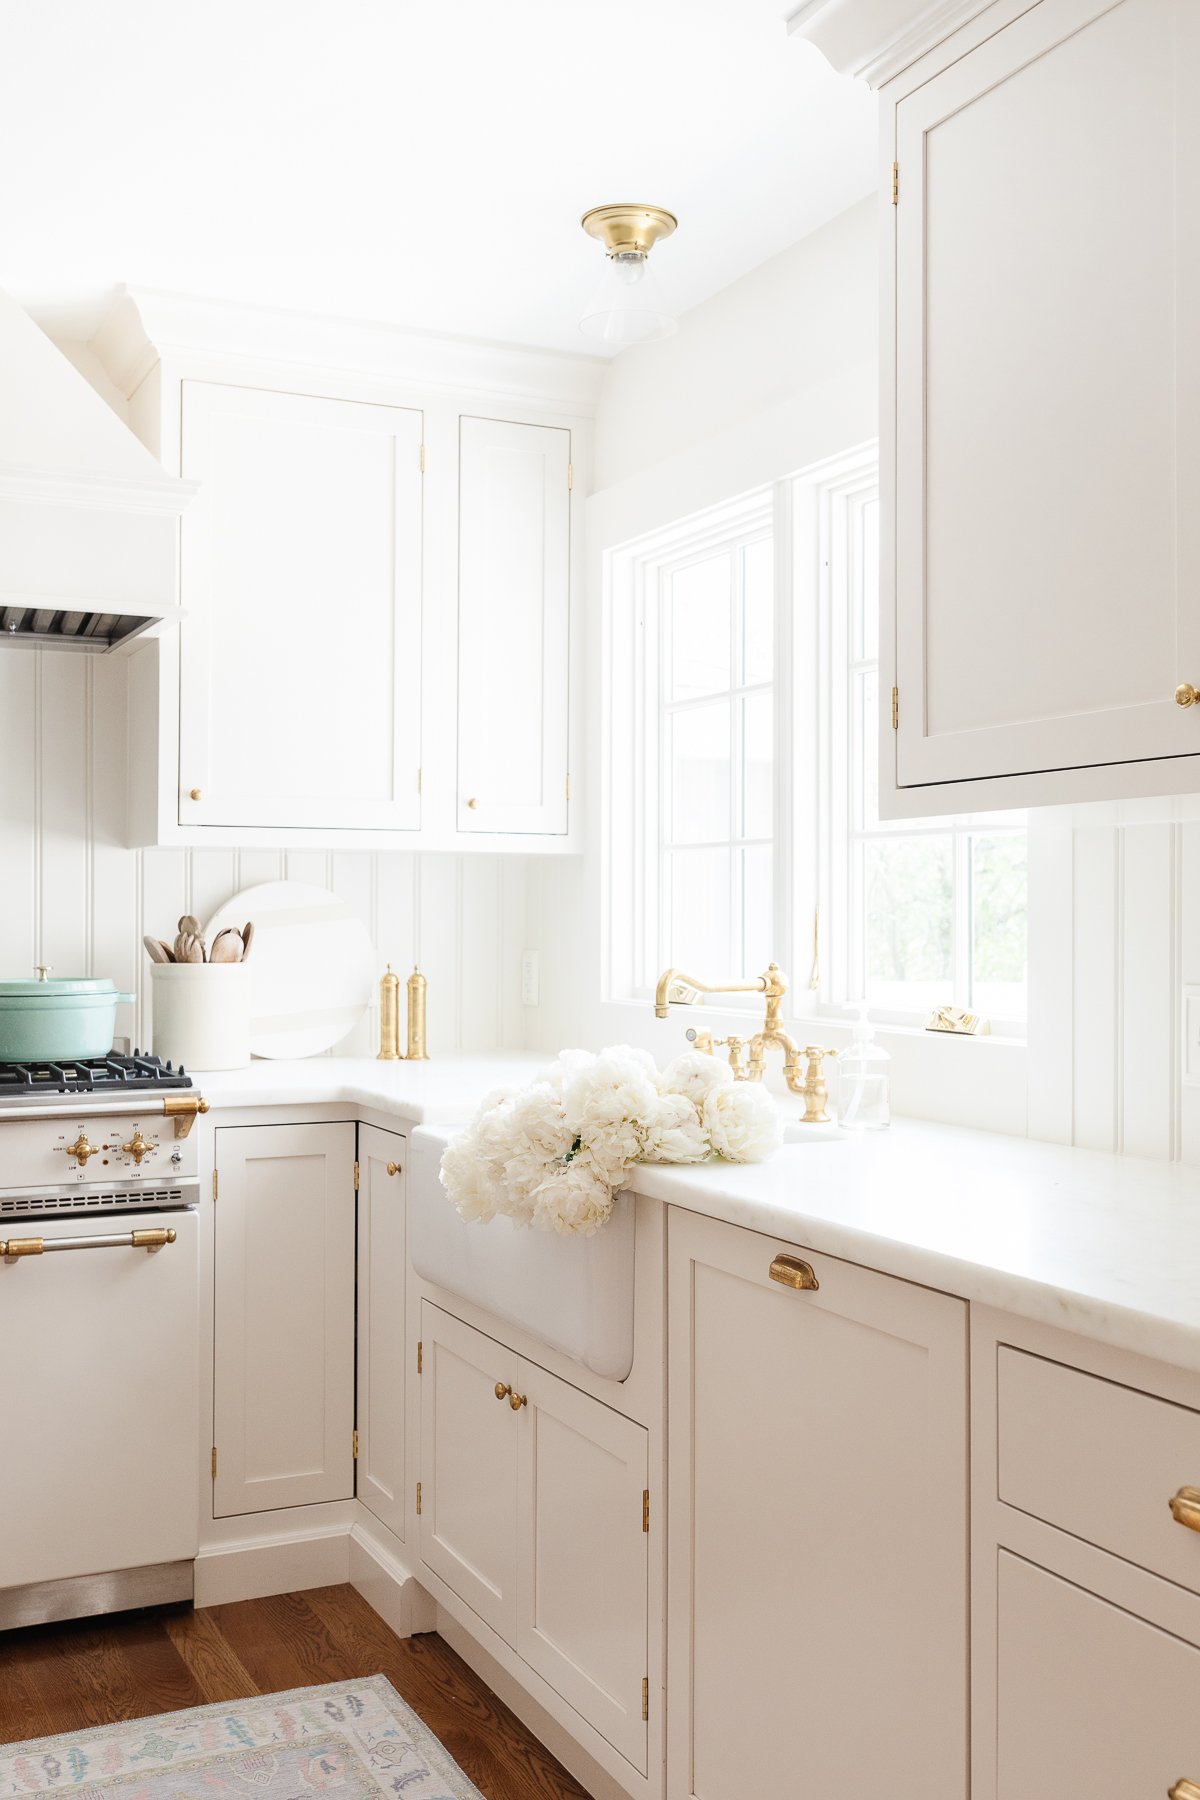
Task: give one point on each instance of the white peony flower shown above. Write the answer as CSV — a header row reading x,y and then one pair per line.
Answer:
x,y
467,1180
742,1121
696,1074
676,1132
539,1115
575,1199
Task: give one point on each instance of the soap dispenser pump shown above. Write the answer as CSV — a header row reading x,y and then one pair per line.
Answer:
x,y
863,1103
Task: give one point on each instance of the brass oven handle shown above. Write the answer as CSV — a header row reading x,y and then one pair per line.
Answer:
x,y
502,1390
1184,1790
793,1272
393,1169
155,1238
1185,1510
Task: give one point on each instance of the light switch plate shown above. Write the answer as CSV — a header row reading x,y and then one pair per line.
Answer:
x,y
531,978
1190,1060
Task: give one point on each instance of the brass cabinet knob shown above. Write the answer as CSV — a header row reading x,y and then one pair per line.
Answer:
x,y
1184,1790
137,1147
791,1271
517,1401
196,793
472,803
81,1149
393,1168
1185,1510
502,1390
1186,694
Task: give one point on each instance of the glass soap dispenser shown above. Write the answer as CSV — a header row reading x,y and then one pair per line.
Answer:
x,y
863,1103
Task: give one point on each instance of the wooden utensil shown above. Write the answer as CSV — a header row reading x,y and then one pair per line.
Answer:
x,y
189,945
247,935
168,952
156,950
227,946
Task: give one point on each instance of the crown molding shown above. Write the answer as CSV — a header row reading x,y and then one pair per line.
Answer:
x,y
145,323
876,39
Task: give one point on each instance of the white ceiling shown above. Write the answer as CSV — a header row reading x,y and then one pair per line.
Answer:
x,y
422,162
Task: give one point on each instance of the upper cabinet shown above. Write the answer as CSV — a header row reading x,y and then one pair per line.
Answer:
x,y
376,580
514,581
1041,417
299,652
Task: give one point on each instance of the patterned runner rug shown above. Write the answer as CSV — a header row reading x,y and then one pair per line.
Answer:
x,y
353,1740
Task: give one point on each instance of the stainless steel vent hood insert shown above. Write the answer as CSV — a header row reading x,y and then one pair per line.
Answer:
x,y
88,518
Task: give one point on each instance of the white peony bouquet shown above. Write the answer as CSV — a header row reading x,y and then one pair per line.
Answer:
x,y
555,1154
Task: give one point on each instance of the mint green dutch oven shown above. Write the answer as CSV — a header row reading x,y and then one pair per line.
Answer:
x,y
57,1021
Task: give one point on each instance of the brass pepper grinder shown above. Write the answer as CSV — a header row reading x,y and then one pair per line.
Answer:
x,y
389,1017
416,1018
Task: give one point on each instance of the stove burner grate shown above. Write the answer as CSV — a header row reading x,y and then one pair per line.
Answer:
x,y
90,1075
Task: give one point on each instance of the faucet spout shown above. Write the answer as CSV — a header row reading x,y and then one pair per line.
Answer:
x,y
674,985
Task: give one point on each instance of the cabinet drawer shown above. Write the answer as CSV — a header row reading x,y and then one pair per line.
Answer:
x,y
1098,1460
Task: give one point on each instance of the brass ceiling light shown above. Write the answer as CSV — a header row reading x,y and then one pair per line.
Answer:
x,y
627,309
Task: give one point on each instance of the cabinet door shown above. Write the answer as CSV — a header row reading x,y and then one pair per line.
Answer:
x,y
582,1566
1091,1699
513,626
301,583
283,1359
817,1533
469,1438
1048,398
381,1361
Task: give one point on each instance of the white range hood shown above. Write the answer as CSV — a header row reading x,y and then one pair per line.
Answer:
x,y
89,520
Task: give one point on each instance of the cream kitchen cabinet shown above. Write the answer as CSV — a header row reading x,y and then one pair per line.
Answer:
x,y
514,581
382,1283
1041,417
283,1329
533,1510
817,1529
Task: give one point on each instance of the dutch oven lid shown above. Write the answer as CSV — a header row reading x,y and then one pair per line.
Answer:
x,y
44,987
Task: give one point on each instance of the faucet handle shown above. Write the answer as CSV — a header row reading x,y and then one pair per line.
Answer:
x,y
815,1090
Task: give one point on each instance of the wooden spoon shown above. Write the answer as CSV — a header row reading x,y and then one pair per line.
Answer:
x,y
247,935
156,950
168,952
189,945
227,946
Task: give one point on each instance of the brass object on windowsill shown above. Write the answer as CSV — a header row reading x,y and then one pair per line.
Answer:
x,y
957,1021
801,1067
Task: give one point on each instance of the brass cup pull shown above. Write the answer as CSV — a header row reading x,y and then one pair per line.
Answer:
x,y
1185,1510
393,1168
517,1401
1184,1790
792,1272
502,1390
1186,694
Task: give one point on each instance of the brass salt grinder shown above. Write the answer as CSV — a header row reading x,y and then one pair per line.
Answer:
x,y
389,1018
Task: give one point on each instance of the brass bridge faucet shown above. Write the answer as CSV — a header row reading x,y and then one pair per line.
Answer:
x,y
674,987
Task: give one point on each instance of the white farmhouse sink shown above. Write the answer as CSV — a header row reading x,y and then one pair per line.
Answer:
x,y
573,1293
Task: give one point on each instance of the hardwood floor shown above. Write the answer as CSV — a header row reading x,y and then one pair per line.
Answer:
x,y
59,1678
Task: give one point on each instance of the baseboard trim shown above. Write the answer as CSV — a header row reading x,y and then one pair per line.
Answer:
x,y
253,1568
386,1583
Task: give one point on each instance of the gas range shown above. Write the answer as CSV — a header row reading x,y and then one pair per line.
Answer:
x,y
109,1134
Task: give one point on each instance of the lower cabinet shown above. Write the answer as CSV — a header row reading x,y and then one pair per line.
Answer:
x,y
1090,1700
817,1530
382,1272
533,1511
283,1362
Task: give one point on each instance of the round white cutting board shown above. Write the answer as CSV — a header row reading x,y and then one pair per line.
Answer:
x,y
311,966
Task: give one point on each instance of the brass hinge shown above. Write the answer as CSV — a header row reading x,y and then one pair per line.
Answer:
x,y
895,184
420,779
214,1462
645,1509
568,787
420,1354
354,1443
214,1184
645,1697
356,1174
418,1499
570,476
895,709
422,459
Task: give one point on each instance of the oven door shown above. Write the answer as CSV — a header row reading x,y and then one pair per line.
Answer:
x,y
98,1398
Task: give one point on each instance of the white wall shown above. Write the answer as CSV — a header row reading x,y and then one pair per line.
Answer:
x,y
73,896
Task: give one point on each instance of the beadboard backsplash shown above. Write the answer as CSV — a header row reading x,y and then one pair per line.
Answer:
x,y
73,896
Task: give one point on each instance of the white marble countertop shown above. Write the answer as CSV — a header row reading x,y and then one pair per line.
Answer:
x,y
1107,1246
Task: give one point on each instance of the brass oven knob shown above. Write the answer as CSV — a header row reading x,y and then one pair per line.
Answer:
x,y
137,1147
1186,694
81,1149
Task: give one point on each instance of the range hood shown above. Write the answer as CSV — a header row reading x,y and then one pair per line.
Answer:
x,y
89,520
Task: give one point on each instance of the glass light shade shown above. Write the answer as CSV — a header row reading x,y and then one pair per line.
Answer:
x,y
627,307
